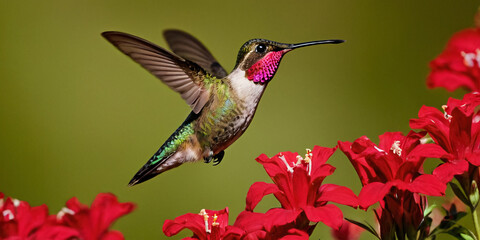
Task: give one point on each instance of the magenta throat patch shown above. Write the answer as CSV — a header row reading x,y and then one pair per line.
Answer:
x,y
263,70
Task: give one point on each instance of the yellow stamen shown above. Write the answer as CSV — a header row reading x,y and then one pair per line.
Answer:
x,y
308,156
215,223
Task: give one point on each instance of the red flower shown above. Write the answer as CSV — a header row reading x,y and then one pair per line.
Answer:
x,y
298,187
392,174
76,221
459,64
258,226
213,225
395,164
20,221
457,131
79,221
207,225
348,231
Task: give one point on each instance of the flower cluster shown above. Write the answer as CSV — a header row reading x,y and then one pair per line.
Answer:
x,y
75,221
391,174
458,66
302,196
394,166
457,131
299,189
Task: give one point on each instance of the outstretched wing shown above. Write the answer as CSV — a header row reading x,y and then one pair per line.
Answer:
x,y
188,47
183,76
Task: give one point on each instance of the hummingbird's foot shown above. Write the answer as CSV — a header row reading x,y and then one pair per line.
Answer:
x,y
218,158
209,158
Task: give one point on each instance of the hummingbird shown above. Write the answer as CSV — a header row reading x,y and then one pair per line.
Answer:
x,y
223,105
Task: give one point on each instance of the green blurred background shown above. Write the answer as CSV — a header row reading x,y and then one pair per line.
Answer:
x,y
77,117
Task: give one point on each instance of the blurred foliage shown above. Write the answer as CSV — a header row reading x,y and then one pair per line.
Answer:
x,y
77,117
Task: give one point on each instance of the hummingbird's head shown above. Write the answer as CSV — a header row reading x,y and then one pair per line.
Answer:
x,y
260,58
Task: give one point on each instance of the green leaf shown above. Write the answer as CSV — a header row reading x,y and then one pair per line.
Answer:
x,y
365,226
429,210
466,237
424,226
450,220
459,193
462,233
460,215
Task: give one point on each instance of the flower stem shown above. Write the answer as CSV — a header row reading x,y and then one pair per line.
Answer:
x,y
475,222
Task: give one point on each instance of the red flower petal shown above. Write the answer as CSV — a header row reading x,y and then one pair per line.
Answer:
x,y
193,222
30,219
434,122
364,171
250,221
93,223
322,154
388,138
460,132
106,209
295,234
75,205
428,185
280,216
57,232
429,151
18,220
233,233
467,105
446,171
320,172
257,191
196,224
285,195
474,158
449,79
451,65
301,186
372,193
337,194
113,235
271,166
329,214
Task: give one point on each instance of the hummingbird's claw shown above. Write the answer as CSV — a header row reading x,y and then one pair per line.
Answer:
x,y
218,158
207,159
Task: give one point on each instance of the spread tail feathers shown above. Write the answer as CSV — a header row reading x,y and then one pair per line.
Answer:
x,y
171,154
152,169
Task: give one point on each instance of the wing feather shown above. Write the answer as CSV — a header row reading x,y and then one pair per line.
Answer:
x,y
181,75
188,47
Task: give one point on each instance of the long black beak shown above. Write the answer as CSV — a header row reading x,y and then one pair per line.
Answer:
x,y
299,45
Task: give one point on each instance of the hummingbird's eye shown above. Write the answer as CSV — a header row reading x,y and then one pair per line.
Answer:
x,y
261,48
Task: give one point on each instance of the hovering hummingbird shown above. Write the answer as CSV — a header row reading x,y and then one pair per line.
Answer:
x,y
223,105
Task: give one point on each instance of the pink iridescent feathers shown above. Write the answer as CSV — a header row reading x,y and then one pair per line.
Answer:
x,y
264,70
